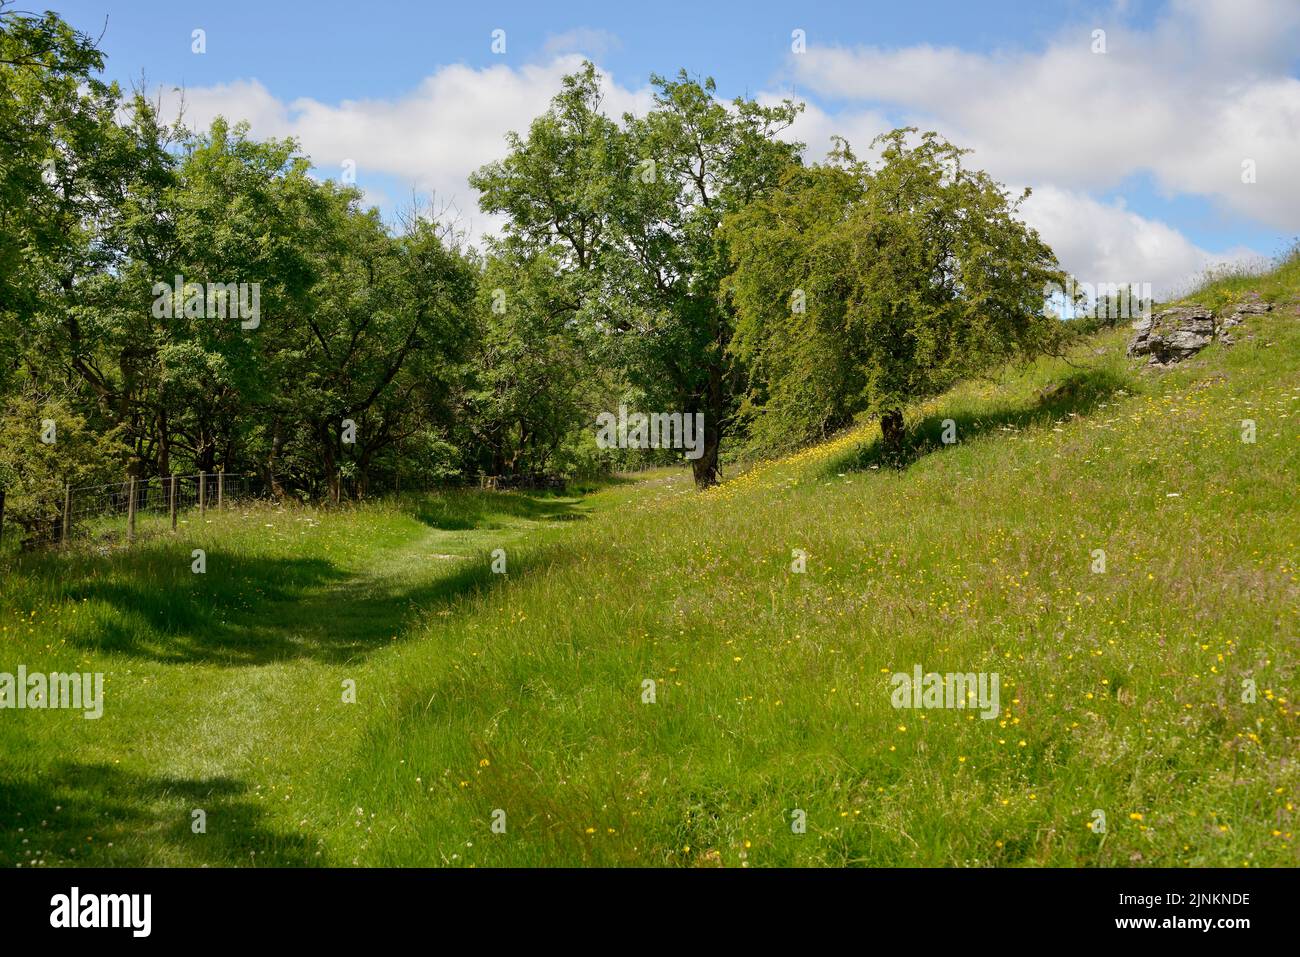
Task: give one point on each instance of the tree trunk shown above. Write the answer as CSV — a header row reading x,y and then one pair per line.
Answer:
x,y
705,468
164,445
891,431
277,443
324,435
207,450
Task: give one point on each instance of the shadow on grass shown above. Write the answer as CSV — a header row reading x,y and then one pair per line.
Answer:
x,y
471,510
1077,394
248,610
74,811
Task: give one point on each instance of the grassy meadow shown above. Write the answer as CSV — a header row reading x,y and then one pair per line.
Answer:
x,y
1121,691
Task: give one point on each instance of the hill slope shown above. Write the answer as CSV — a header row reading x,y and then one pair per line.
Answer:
x,y
1121,691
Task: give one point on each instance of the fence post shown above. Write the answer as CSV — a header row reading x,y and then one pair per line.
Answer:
x,y
130,510
203,494
67,511
2,516
171,505
221,488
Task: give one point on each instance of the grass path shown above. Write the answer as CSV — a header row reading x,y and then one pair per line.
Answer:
x,y
377,600
236,696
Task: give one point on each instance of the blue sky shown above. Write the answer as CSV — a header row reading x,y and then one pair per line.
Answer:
x,y
1134,155
337,49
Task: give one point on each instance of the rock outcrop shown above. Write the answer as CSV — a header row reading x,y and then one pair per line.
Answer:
x,y
1252,305
1173,335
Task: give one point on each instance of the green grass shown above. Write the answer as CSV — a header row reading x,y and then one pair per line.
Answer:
x,y
1275,282
523,692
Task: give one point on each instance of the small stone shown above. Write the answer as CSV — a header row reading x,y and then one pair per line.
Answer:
x,y
1252,305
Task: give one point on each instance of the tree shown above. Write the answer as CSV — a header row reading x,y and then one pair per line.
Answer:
x,y
102,207
52,112
632,214
532,382
81,198
35,473
861,288
389,318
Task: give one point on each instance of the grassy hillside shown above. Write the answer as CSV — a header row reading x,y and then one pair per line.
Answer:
x,y
1120,691
1227,284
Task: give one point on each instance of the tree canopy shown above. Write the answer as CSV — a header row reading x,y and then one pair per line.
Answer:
x,y
861,287
201,300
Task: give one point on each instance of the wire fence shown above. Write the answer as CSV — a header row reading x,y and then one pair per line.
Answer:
x,y
123,511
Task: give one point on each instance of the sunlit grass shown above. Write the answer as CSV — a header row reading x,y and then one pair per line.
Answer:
x,y
1275,281
1121,692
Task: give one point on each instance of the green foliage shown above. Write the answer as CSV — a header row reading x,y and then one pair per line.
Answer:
x,y
108,205
34,474
533,381
59,151
630,215
861,288
650,257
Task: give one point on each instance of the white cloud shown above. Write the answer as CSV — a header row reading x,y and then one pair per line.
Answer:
x,y
431,138
1186,101
1106,242
1097,241
240,100
814,127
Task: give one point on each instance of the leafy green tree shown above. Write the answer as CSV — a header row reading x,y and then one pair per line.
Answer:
x,y
532,382
53,113
82,200
103,206
34,473
711,158
387,322
682,261
862,287
631,214
246,213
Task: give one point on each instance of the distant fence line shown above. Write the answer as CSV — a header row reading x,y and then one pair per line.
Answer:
x,y
88,510
94,511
